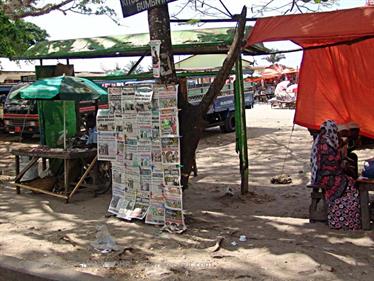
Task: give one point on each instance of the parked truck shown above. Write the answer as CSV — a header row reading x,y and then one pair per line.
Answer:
x,y
221,112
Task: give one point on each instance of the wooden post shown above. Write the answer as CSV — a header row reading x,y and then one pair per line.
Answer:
x,y
66,177
240,126
364,202
17,172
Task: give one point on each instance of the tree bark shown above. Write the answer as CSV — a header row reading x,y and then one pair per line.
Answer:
x,y
159,29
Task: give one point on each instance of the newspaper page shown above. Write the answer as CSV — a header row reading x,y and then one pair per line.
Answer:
x,y
169,122
167,96
117,189
131,156
171,175
174,221
114,100
141,206
144,124
132,180
170,150
106,139
128,100
143,94
126,207
145,179
173,197
155,214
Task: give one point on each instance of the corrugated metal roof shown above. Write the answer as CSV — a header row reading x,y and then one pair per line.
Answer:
x,y
198,41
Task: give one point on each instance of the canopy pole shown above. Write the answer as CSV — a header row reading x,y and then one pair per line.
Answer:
x,y
64,106
240,125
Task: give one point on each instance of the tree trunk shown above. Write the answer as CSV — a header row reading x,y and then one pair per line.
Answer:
x,y
191,117
159,29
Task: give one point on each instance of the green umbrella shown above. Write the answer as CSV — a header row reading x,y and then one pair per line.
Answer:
x,y
61,88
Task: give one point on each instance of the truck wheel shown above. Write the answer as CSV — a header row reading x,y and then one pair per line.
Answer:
x,y
229,123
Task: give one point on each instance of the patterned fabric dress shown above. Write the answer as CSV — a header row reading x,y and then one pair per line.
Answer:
x,y
339,189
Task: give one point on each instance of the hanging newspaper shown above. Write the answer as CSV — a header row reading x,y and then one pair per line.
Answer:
x,y
114,99
140,135
156,60
173,197
171,175
143,93
155,214
169,122
170,150
167,96
118,188
174,221
106,139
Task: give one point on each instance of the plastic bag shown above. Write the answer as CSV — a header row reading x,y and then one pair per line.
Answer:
x,y
104,241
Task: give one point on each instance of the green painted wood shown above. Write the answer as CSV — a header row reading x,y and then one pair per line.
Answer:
x,y
240,126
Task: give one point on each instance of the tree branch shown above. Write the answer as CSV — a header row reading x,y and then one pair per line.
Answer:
x,y
227,66
32,11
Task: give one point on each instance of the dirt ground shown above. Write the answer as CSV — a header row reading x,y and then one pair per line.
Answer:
x,y
281,243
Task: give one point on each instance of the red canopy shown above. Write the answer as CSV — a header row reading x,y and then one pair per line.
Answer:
x,y
336,81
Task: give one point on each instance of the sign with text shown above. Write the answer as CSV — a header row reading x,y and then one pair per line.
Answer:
x,y
132,7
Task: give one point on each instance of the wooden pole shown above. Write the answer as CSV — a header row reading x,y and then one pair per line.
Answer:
x,y
241,126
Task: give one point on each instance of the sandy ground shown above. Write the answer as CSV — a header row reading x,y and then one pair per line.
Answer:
x,y
281,243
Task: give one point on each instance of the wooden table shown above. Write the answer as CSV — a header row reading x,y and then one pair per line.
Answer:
x,y
364,186
86,155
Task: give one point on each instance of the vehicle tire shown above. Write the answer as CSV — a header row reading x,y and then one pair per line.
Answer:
x,y
229,123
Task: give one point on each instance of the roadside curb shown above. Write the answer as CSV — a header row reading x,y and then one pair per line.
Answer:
x,y
14,269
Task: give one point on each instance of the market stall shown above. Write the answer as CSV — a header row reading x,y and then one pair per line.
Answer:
x,y
67,155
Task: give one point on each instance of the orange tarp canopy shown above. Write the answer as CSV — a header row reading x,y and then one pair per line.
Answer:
x,y
336,74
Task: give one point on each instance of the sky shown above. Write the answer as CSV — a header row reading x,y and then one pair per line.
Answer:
x,y
60,26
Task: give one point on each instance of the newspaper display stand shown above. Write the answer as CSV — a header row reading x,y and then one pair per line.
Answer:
x,y
139,134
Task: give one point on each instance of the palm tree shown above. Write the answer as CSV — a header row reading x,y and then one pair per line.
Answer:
x,y
137,70
274,58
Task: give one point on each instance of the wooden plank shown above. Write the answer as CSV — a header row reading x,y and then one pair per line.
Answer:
x,y
366,181
19,185
83,177
364,202
66,176
57,154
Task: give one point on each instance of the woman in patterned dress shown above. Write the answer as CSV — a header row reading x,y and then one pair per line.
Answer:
x,y
328,172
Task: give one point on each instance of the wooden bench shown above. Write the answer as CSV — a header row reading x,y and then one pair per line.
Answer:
x,y
367,211
318,206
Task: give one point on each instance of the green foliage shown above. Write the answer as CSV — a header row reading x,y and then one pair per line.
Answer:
x,y
16,9
18,35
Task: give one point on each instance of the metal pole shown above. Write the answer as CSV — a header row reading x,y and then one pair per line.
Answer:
x,y
240,125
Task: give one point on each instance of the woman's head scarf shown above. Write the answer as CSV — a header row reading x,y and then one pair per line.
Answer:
x,y
328,131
